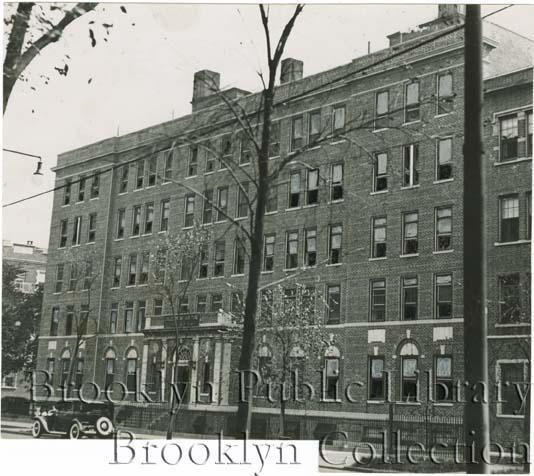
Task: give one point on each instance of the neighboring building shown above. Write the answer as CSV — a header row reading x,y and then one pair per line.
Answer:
x,y
31,261
376,216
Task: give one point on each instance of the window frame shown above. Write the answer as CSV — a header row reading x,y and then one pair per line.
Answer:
x,y
370,378
292,259
448,163
442,99
311,197
437,301
165,211
297,142
404,303
307,251
121,223
410,163
268,257
378,117
502,198
405,238
410,108
374,241
374,289
148,226
437,233
219,258
294,196
189,210
437,379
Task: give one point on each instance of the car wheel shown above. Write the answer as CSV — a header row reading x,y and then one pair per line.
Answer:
x,y
75,432
37,429
104,426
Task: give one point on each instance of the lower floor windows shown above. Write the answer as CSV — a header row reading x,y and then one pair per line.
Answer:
x,y
376,382
512,382
409,379
443,382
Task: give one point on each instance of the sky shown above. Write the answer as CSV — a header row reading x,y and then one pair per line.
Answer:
x,y
143,75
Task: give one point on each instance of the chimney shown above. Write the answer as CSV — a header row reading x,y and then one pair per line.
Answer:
x,y
450,10
205,84
29,243
291,70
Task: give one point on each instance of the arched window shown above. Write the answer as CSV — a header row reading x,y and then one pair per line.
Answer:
x,y
131,370
65,364
409,354
110,367
331,372
297,358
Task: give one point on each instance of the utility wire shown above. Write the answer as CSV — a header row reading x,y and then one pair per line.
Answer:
x,y
281,102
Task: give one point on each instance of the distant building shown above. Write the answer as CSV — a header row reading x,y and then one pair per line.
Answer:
x,y
31,260
374,218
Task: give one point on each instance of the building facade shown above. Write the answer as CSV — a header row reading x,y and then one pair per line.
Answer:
x,y
370,215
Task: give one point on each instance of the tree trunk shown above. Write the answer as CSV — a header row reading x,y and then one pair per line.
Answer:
x,y
282,431
174,404
72,365
9,83
244,410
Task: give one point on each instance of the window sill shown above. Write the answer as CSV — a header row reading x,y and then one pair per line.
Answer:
x,y
218,277
76,246
515,417
376,402
519,324
292,209
442,252
65,205
167,182
191,177
338,141
310,205
379,192
150,186
240,218
147,234
511,243
118,239
218,221
290,270
267,272
443,114
162,231
271,213
134,236
381,258
209,172
274,157
435,182
408,403
122,193
237,275
244,164
333,202
187,227
333,265
412,255
90,243
94,198
411,122
443,404
410,187
138,189
514,161
113,288
315,147
380,130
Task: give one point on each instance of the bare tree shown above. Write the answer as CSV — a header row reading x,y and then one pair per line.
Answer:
x,y
175,264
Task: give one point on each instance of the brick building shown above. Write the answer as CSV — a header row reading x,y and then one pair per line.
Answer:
x,y
375,214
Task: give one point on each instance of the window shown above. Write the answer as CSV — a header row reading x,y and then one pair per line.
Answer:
x,y
132,274
239,257
91,233
67,192
54,323
509,135
376,386
335,250
336,187
131,371
509,298
189,216
140,175
192,166
110,369
266,304
207,210
117,270
510,376
334,304
443,240
149,217
382,110
237,303
95,185
77,231
218,269
129,324
292,245
409,233
380,173
158,307
81,189
123,180
529,215
332,378
444,165
443,387
409,298
242,201
246,152
143,273
268,252
60,271
73,278
227,152
113,317
443,296
201,303
79,374
168,161
294,189
222,203
203,264
410,167
378,300
411,102
274,145
297,133
272,199
88,275
211,159
216,302
65,364
205,385
50,363
69,320
121,220
310,247
183,305
445,94
529,134
289,301
409,381
314,129
136,220
509,211
63,227
164,215
152,170
379,245
185,271
338,120
312,187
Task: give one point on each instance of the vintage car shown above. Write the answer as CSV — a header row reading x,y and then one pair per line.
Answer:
x,y
73,419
